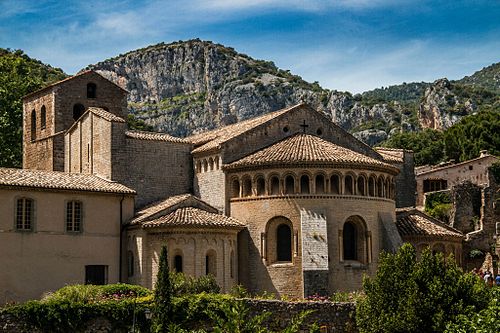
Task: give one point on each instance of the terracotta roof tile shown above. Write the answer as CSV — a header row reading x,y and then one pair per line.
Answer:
x,y
105,114
212,139
153,136
391,154
430,169
305,148
60,181
415,223
193,217
156,207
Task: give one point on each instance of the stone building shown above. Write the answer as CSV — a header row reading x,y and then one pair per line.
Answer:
x,y
444,177
287,203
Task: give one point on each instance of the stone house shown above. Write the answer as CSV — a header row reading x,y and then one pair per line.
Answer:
x,y
287,203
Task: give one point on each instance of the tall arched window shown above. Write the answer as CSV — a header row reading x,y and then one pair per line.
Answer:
x,y
91,90
78,110
43,117
261,186
33,125
247,187
283,243
275,185
361,185
211,263
235,188
335,184
320,184
289,185
349,236
380,187
211,164
304,185
349,185
371,186
178,263
231,265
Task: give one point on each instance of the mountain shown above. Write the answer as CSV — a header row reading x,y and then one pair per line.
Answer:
x,y
487,78
19,75
186,87
189,86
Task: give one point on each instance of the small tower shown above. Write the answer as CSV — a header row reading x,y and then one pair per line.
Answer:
x,y
49,112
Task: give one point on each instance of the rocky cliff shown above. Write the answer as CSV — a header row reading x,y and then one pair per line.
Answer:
x,y
187,87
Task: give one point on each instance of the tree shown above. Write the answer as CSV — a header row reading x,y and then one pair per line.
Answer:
x,y
410,295
163,295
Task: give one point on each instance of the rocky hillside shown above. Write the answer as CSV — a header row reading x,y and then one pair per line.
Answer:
x,y
186,87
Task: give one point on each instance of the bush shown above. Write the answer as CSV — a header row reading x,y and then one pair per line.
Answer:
x,y
407,295
92,293
184,285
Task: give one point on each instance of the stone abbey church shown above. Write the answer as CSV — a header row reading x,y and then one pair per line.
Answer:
x,y
287,203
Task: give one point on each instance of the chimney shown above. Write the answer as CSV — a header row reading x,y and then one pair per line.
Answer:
x,y
483,153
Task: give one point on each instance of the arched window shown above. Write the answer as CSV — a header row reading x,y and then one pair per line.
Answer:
x,y
211,163
349,236
261,186
335,184
43,117
33,125
361,185
387,188
211,263
24,214
73,216
91,90
348,186
320,184
205,166
247,187
380,187
178,263
371,186
235,188
130,263
275,185
198,166
304,185
289,185
78,110
283,243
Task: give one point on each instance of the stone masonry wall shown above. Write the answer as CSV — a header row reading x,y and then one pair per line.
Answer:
x,y
331,317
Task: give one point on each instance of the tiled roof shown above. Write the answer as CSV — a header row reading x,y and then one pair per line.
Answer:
x,y
391,154
68,79
430,169
193,217
305,148
212,139
415,223
105,114
156,207
60,181
153,136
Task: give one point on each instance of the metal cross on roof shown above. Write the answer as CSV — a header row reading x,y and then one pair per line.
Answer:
x,y
304,126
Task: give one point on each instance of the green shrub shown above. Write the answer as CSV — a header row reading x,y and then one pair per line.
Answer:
x,y
183,284
407,295
93,293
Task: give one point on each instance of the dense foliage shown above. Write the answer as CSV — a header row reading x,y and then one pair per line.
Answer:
x,y
462,141
404,93
163,294
183,284
438,205
19,76
410,295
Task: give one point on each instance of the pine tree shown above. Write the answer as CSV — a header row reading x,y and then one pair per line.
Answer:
x,y
163,295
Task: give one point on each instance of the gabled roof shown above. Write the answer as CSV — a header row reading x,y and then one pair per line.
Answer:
x,y
192,217
391,154
212,139
56,180
430,169
183,210
100,112
304,148
412,222
153,136
68,79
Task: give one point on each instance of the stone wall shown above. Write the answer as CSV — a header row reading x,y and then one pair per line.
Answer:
x,y
331,317
406,186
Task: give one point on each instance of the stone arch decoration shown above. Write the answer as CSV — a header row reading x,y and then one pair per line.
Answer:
x,y
319,183
211,263
279,240
289,184
361,190
274,185
211,164
380,187
260,185
33,125
246,186
43,117
205,165
235,188
335,184
356,240
305,187
349,184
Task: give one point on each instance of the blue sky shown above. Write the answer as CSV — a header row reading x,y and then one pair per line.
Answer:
x,y
353,45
